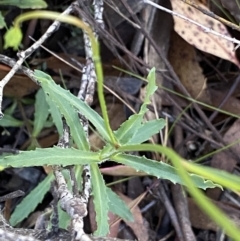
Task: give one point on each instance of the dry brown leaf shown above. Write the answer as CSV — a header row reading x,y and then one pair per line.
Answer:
x,y
196,36
121,171
113,229
138,226
183,58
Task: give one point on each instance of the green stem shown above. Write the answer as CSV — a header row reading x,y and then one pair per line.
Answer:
x,y
95,49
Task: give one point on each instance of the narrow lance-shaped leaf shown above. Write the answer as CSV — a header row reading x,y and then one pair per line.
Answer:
x,y
56,115
100,200
151,88
160,170
52,89
31,201
50,156
147,130
9,121
118,206
41,113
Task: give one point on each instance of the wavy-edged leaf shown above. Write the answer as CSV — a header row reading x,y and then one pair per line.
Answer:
x,y
224,178
9,121
131,126
50,156
54,90
118,206
30,202
25,3
41,113
100,201
160,170
147,130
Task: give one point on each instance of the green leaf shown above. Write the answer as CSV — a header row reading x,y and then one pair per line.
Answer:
x,y
9,121
50,156
224,178
131,126
10,110
63,217
56,115
71,115
160,170
25,3
62,95
151,88
13,38
30,202
118,206
100,200
147,130
2,22
128,129
41,113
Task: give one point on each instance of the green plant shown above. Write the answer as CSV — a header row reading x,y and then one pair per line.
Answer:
x,y
127,138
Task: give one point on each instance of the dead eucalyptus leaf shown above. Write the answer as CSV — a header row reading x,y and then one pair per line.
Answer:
x,y
196,36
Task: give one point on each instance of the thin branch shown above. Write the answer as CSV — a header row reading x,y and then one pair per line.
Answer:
x,y
87,87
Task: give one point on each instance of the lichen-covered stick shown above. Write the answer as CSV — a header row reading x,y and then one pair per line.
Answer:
x,y
87,87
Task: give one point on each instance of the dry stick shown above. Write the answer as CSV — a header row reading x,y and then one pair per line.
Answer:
x,y
105,35
75,206
87,87
179,195
171,212
25,54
